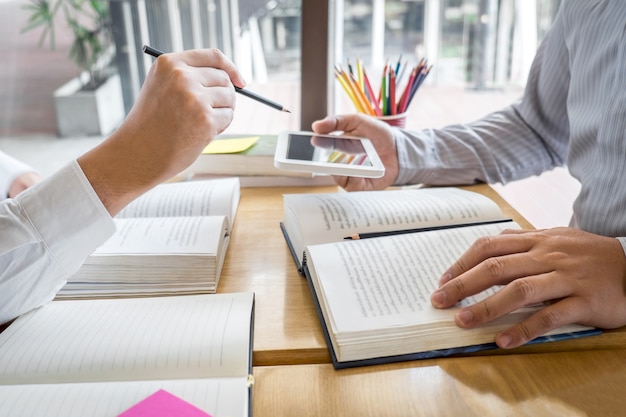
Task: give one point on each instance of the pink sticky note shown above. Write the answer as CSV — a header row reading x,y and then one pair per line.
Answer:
x,y
163,404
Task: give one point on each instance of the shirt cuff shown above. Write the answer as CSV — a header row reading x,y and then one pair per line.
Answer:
x,y
622,240
68,215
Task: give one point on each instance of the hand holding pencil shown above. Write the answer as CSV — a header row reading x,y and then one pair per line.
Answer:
x,y
254,96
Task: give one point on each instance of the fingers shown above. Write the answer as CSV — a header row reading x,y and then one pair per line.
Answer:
x,y
488,248
566,311
350,183
23,182
530,290
575,276
211,58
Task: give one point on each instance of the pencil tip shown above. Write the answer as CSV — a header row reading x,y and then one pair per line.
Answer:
x,y
286,111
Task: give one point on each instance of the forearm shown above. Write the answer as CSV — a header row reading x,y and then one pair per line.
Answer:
x,y
118,173
523,139
498,148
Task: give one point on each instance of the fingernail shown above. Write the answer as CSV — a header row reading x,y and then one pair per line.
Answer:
x,y
465,317
438,298
504,341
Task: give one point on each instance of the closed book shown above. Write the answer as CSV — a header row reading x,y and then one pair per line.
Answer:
x,y
257,159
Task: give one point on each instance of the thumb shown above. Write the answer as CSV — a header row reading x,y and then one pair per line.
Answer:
x,y
326,125
347,123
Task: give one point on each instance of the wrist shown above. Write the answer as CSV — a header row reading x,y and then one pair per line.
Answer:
x,y
117,174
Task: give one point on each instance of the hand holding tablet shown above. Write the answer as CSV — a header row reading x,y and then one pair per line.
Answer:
x,y
328,154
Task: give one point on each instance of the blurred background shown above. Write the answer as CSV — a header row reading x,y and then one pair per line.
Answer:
x,y
475,47
480,50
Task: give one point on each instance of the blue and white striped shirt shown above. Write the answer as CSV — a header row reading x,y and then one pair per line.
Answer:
x,y
573,113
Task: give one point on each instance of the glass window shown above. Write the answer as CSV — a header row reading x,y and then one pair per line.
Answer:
x,y
480,51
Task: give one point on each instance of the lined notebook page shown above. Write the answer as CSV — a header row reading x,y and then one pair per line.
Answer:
x,y
218,397
129,339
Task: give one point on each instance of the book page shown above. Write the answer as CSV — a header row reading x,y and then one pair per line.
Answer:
x,y
319,218
386,282
195,336
218,397
160,235
218,197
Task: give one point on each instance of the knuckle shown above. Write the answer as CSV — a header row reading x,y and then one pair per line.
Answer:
x,y
525,332
460,265
548,320
221,79
487,311
216,55
178,75
523,290
484,244
458,288
495,267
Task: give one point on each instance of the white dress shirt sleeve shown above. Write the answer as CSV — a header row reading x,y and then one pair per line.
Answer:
x,y
10,169
47,231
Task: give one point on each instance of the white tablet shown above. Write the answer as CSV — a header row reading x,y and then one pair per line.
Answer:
x,y
327,154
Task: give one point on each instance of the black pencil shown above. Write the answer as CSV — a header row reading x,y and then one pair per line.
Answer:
x,y
155,53
358,236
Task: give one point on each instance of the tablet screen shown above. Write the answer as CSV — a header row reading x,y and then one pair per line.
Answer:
x,y
329,149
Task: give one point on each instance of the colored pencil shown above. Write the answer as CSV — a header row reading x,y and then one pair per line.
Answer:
x,y
391,98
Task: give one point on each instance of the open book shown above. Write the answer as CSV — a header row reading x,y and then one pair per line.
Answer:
x,y
101,357
171,240
310,219
373,293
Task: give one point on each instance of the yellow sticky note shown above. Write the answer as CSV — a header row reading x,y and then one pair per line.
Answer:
x,y
233,145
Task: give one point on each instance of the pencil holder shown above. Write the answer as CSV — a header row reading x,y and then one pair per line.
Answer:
x,y
397,120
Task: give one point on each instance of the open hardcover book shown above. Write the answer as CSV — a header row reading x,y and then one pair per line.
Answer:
x,y
171,240
310,219
101,357
372,293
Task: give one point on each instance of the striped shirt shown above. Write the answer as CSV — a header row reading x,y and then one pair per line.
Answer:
x,y
573,113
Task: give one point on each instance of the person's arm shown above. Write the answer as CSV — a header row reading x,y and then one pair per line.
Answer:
x,y
524,139
50,228
47,232
15,176
579,276
187,99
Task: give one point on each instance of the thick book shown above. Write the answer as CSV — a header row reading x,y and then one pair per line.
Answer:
x,y
258,159
310,219
171,240
102,357
372,291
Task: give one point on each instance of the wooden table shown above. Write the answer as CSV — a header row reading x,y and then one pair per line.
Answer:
x,y
287,329
572,384
293,375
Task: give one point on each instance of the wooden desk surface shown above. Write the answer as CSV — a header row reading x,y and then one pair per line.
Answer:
x,y
287,330
573,384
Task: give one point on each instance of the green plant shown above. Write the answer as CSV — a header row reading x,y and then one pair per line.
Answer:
x,y
88,20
